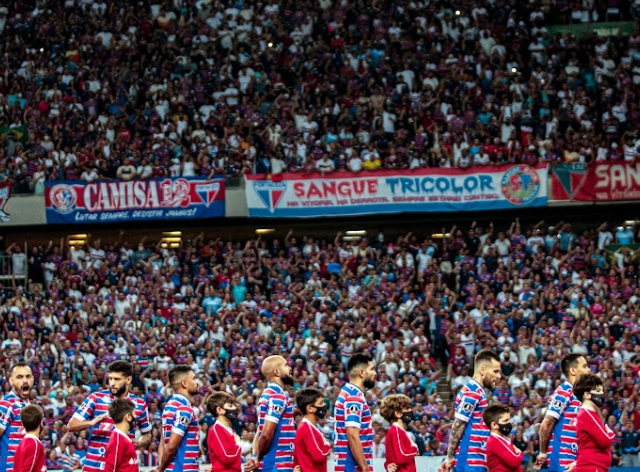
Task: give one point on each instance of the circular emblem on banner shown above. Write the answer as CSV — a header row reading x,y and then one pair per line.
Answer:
x,y
520,184
63,198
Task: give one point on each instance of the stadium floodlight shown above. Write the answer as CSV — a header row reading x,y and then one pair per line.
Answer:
x,y
260,231
357,232
172,240
172,233
78,236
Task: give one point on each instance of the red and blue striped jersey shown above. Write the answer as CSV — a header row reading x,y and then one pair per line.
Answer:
x,y
10,408
469,406
352,411
563,447
274,406
97,404
180,417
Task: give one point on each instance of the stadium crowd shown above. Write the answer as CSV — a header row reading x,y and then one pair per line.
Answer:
x,y
91,89
421,306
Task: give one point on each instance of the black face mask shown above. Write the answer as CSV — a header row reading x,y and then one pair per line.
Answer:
x,y
231,414
505,428
132,424
598,399
407,418
321,412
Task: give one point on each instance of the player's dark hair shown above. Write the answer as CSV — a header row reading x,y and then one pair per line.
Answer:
x,y
218,399
119,408
306,397
570,361
121,367
486,356
586,383
358,361
176,374
31,417
18,365
493,413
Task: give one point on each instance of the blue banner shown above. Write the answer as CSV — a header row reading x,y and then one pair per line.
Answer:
x,y
77,201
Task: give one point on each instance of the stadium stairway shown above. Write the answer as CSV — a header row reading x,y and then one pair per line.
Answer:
x,y
443,384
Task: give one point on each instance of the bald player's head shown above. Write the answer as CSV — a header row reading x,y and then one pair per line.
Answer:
x,y
275,369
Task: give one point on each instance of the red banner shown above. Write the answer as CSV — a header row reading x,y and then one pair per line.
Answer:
x,y
596,182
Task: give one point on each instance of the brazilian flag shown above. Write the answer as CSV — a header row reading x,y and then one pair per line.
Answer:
x,y
20,132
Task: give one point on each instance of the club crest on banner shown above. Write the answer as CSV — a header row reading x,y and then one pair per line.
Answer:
x,y
270,193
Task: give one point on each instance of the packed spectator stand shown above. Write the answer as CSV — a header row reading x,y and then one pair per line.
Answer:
x,y
421,306
101,90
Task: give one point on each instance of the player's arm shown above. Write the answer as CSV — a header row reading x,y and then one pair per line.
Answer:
x,y
355,445
181,422
353,420
145,429
275,409
546,429
6,416
266,437
457,429
83,418
465,406
557,404
170,450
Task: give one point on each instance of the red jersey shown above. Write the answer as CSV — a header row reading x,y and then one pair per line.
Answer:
x,y
501,455
401,450
30,455
120,455
224,451
310,449
594,442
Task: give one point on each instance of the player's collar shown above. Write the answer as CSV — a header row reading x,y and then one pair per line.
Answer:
x,y
19,397
359,389
175,394
275,385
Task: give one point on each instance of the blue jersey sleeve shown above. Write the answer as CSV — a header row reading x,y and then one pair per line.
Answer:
x,y
276,405
558,403
6,415
143,418
85,411
466,403
353,410
181,421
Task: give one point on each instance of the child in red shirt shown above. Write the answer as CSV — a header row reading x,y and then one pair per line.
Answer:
x,y
121,455
224,444
594,436
401,450
502,455
29,456
311,449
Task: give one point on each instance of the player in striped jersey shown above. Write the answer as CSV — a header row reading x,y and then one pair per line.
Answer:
x,y
273,447
11,430
179,445
94,414
469,434
558,429
354,433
